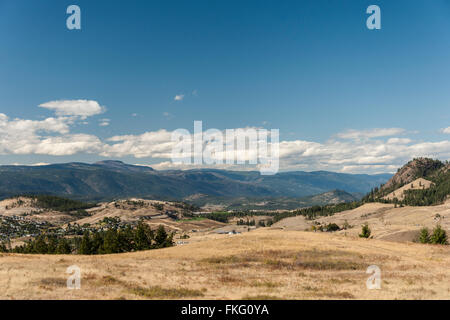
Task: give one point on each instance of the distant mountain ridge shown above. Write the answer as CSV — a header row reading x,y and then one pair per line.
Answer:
x,y
272,203
106,180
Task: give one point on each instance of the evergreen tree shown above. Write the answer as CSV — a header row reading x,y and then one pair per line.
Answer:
x,y
439,236
96,243
39,245
143,236
162,239
86,244
126,239
110,242
424,236
63,247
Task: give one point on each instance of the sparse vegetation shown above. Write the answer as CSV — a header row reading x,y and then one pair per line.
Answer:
x,y
157,292
365,231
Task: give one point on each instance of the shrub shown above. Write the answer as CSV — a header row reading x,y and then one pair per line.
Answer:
x,y
439,236
424,236
346,225
365,232
332,227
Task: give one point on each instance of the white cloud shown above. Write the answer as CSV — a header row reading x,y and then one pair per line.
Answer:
x,y
68,145
156,144
399,141
368,151
179,97
372,133
104,122
50,136
446,130
80,108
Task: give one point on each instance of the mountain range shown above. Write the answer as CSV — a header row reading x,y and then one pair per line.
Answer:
x,y
110,179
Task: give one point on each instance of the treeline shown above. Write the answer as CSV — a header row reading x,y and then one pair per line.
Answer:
x,y
110,241
436,194
316,211
247,222
219,216
310,213
59,204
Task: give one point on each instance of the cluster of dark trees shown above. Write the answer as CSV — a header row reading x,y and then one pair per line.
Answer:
x,y
115,240
317,211
438,236
436,194
60,204
219,216
331,227
247,222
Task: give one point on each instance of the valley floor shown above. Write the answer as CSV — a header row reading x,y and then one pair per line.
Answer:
x,y
265,263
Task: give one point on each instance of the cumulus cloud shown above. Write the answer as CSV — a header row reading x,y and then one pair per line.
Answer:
x,y
67,145
50,136
80,108
367,151
446,130
365,155
156,144
179,97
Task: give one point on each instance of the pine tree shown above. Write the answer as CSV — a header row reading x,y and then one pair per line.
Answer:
x,y
424,236
40,245
143,236
439,236
160,237
86,244
63,247
111,243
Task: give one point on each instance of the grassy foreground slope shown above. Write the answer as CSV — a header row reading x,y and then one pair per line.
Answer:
x,y
267,263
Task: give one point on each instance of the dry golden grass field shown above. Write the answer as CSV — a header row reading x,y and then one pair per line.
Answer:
x,y
261,264
386,222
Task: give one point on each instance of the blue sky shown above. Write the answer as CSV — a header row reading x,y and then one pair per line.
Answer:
x,y
309,68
